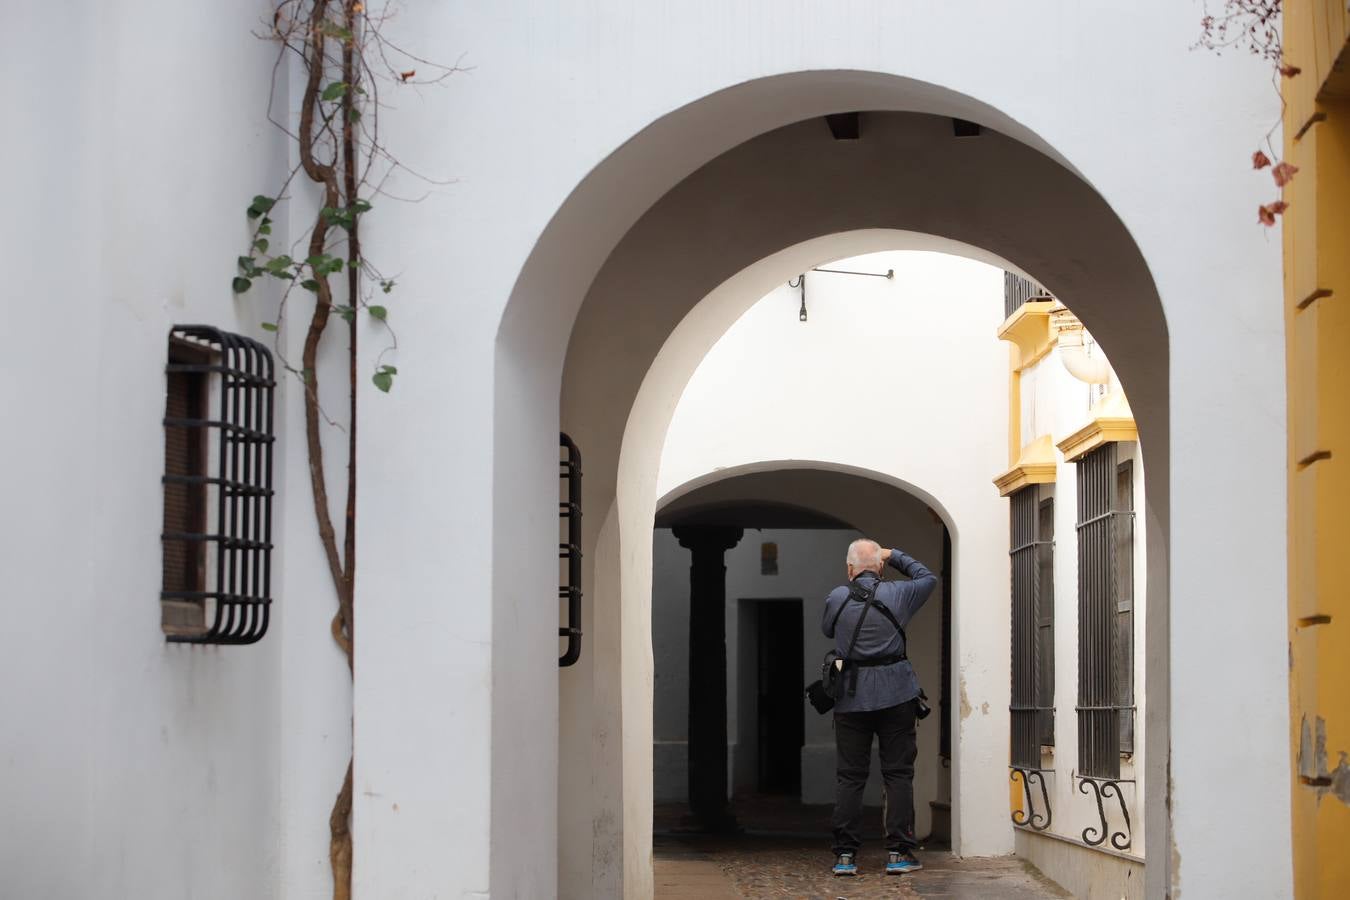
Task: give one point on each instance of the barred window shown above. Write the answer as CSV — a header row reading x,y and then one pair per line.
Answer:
x,y
1105,612
217,526
1033,648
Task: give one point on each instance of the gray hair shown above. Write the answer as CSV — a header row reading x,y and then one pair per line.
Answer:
x,y
864,555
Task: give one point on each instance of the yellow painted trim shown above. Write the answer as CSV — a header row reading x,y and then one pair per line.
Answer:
x,y
1014,407
1028,329
1036,465
1113,421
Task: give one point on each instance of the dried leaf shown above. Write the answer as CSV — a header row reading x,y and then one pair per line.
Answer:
x,y
408,74
1284,173
1260,160
1278,207
358,7
1266,215
1289,71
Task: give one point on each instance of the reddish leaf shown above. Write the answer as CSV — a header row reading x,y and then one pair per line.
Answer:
x,y
1289,71
1284,173
1266,215
1278,207
404,76
1260,160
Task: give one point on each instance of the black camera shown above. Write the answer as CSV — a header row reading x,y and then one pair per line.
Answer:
x,y
921,707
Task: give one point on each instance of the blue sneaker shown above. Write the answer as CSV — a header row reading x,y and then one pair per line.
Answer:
x,y
901,861
845,866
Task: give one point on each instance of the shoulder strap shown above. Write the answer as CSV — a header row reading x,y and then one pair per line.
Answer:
x,y
862,595
848,654
881,607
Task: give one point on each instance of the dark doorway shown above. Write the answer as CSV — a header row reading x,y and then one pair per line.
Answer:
x,y
781,730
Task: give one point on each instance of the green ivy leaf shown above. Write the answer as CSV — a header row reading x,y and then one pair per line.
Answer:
x,y
240,284
383,380
260,245
361,206
390,369
347,313
269,326
246,265
260,205
310,284
279,266
334,90
387,286
378,312
354,115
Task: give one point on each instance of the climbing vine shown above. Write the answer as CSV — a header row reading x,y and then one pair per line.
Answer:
x,y
344,60
1254,26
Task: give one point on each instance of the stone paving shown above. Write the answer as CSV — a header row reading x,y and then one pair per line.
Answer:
x,y
746,866
784,852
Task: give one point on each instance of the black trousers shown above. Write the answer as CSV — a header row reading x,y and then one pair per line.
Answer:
x,y
853,732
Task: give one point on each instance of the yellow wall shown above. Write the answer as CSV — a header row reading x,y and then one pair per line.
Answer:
x,y
1317,319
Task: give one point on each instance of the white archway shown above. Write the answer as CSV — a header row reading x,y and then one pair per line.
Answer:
x,y
676,254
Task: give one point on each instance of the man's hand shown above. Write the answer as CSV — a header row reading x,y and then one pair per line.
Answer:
x,y
885,554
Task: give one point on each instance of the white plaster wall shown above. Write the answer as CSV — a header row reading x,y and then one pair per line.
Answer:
x,y
130,767
455,701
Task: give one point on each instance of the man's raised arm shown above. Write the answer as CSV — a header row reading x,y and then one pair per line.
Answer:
x,y
915,592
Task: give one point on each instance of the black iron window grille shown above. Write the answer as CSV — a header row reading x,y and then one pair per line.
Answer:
x,y
1105,613
1018,290
217,535
1033,667
569,549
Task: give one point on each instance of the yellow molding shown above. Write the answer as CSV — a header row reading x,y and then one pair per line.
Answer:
x,y
1028,329
1113,422
1036,465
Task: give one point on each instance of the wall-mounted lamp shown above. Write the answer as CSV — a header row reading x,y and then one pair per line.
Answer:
x,y
800,282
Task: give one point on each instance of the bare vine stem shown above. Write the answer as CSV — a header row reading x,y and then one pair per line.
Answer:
x,y
343,158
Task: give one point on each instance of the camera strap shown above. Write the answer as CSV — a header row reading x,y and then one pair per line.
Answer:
x,y
867,597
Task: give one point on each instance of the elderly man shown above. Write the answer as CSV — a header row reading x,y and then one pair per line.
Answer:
x,y
880,695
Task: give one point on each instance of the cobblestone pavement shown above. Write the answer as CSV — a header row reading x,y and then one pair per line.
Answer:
x,y
746,866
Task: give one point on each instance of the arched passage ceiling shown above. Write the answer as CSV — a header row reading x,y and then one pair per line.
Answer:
x,y
909,172
795,498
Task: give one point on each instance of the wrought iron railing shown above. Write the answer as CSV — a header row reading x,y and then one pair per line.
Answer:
x,y
1104,789
1031,817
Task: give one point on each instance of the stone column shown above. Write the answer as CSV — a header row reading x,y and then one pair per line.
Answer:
x,y
708,673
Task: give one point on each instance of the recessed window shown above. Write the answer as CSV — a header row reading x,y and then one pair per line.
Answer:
x,y
1033,645
1105,612
217,527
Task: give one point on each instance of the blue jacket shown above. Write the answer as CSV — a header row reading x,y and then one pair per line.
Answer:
x,y
879,687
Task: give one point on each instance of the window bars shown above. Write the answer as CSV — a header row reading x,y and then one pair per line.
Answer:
x,y
569,512
1105,612
1018,290
1033,701
217,535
